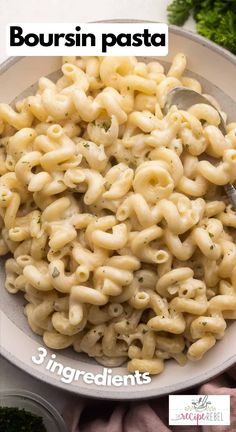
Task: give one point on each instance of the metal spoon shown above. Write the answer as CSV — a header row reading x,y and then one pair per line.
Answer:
x,y
184,98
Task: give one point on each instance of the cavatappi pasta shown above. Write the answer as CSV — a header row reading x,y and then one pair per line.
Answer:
x,y
120,234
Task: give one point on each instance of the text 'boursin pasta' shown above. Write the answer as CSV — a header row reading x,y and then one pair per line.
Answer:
x,y
89,36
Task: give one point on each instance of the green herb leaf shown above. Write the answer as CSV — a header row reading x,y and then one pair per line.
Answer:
x,y
55,272
179,11
104,126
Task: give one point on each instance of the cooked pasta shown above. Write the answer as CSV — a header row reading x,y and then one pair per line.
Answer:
x,y
120,235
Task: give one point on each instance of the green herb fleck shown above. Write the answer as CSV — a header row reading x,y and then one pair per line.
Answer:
x,y
204,323
212,247
104,126
211,234
86,145
140,279
55,272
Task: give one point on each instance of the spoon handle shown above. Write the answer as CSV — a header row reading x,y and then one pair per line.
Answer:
x,y
231,192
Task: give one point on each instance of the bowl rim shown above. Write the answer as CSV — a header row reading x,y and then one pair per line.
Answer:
x,y
113,394
6,64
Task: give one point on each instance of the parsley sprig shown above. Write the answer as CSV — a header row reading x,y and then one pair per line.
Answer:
x,y
215,19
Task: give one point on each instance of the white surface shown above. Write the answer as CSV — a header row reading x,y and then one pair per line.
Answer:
x,y
20,11
14,11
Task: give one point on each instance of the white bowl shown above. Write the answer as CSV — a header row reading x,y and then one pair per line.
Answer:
x,y
216,69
